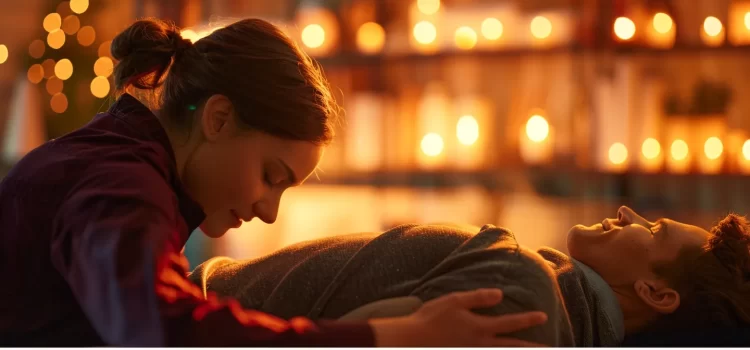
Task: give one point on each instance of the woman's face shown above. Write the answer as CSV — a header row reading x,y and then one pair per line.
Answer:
x,y
237,175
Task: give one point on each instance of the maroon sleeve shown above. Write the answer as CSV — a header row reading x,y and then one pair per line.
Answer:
x,y
114,244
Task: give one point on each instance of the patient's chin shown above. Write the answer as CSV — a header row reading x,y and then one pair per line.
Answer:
x,y
213,230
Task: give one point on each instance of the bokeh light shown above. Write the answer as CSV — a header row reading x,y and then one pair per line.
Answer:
x,y
37,48
746,149
713,148
492,28
618,153
425,32
100,87
466,38
104,49
71,24
52,22
56,39
86,35
79,6
54,86
313,36
35,74
370,38
679,150
650,148
432,144
59,103
467,130
428,7
3,53
103,66
63,8
747,20
49,68
662,23
64,69
712,26
537,128
624,28
541,27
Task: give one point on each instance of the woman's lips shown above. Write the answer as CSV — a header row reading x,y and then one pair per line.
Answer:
x,y
239,220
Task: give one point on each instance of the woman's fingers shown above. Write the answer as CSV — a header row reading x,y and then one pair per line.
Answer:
x,y
511,322
474,299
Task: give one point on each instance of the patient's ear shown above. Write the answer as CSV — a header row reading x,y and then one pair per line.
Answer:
x,y
657,295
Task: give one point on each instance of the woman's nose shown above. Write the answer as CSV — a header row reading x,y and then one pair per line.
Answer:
x,y
626,216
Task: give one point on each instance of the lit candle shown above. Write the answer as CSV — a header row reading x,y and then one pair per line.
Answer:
x,y
536,141
661,31
433,131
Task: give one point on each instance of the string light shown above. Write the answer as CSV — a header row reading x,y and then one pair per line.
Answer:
x,y
79,6
618,153
52,22
425,32
100,87
64,69
541,27
492,28
428,7
313,36
650,148
56,39
86,36
370,38
662,23
3,53
624,28
466,38
537,128
103,66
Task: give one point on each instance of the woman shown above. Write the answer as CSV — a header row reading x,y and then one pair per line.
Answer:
x,y
93,222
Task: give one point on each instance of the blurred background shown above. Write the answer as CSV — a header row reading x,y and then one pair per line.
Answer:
x,y
534,115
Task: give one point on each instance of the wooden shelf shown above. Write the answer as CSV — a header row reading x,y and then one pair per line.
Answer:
x,y
346,59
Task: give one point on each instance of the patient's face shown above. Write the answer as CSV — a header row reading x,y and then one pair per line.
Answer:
x,y
624,249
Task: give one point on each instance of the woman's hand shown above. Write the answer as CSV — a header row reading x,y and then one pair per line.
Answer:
x,y
449,322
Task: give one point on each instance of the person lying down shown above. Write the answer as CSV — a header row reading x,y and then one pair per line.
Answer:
x,y
623,275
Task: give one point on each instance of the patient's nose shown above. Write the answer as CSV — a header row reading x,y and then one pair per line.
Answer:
x,y
627,216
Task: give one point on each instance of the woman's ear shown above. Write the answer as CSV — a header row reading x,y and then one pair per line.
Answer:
x,y
216,116
657,296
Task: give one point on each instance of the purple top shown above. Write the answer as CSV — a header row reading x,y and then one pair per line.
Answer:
x,y
92,225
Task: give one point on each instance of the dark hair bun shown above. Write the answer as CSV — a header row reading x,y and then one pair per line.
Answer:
x,y
145,51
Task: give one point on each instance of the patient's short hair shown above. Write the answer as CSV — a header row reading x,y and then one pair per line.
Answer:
x,y
713,281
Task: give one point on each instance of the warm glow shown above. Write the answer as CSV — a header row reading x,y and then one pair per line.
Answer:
x,y
679,150
71,24
747,20
189,34
712,26
541,27
313,36
746,150
100,87
36,49
467,130
466,38
713,148
56,39
432,144
650,148
3,54
35,73
492,28
104,49
86,36
537,128
49,68
64,69
428,7
59,103
52,22
79,6
624,28
618,153
425,32
103,66
370,38
662,23
54,86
